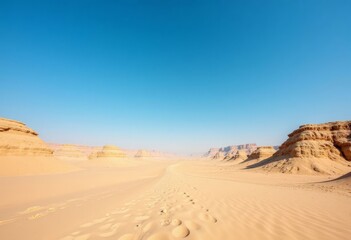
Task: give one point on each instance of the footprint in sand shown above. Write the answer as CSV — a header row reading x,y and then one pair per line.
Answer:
x,y
207,217
180,232
176,222
165,222
192,225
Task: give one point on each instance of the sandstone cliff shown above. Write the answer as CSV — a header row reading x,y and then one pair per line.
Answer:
x,y
16,139
22,152
314,148
261,153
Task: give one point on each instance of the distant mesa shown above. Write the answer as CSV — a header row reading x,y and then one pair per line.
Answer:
x,y
109,151
313,149
16,139
68,151
229,152
73,151
142,153
212,152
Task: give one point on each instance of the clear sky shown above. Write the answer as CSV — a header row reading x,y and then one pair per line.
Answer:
x,y
174,75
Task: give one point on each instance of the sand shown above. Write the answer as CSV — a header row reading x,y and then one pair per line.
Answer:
x,y
162,199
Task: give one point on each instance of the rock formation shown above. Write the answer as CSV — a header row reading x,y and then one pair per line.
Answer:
x,y
219,156
153,154
22,152
230,155
314,148
239,156
109,151
16,139
261,153
212,152
230,151
329,140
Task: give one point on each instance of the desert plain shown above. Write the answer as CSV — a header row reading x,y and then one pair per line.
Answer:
x,y
298,190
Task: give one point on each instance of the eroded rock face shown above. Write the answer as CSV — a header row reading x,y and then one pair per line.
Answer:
x,y
230,151
329,140
313,149
110,151
219,156
16,139
240,155
212,152
230,155
262,153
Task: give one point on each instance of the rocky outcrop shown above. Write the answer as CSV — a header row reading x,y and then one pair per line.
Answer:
x,y
16,139
219,156
230,155
313,148
261,153
248,148
212,152
230,151
108,151
330,140
22,152
239,156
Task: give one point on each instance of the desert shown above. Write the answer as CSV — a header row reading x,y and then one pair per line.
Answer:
x,y
175,120
107,194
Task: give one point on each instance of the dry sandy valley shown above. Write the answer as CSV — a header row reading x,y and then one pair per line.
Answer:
x,y
172,200
69,192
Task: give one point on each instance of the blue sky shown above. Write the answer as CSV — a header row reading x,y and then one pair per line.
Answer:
x,y
177,75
